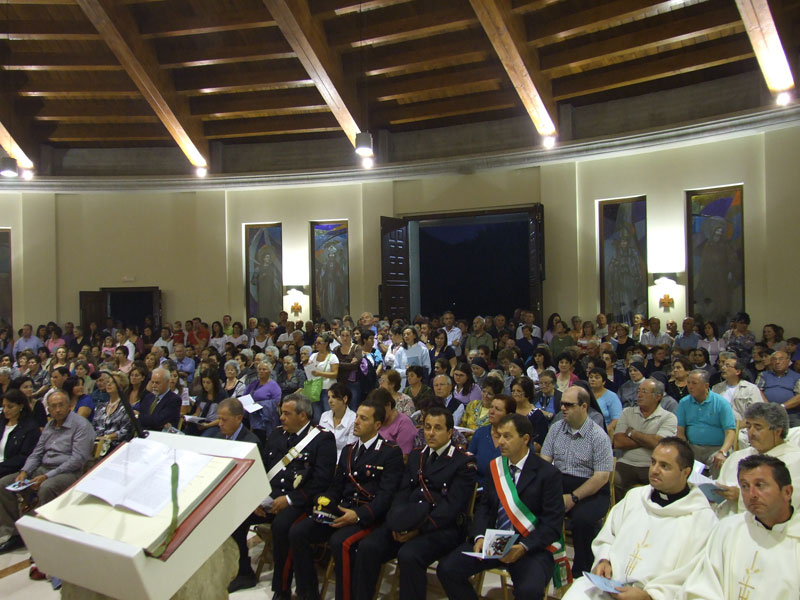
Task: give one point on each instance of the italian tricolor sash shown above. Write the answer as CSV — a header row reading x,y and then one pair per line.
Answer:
x,y
523,520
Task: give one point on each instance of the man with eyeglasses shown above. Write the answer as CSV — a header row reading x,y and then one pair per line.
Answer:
x,y
781,385
639,429
581,450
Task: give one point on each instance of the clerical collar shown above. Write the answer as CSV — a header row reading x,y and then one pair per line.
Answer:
x,y
663,499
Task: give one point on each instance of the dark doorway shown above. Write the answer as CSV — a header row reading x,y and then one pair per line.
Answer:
x,y
474,265
129,305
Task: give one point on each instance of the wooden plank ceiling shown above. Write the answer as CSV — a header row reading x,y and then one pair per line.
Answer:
x,y
117,73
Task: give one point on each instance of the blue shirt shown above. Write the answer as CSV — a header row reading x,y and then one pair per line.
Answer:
x,y
687,342
705,423
32,343
610,405
482,446
187,366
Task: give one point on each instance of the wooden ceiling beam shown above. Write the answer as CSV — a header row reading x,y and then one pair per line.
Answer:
x,y
523,7
506,32
181,57
282,102
95,111
448,107
327,9
60,61
102,84
307,38
15,132
398,89
211,80
42,30
685,60
120,32
160,22
556,61
770,53
293,124
126,132
560,22
393,61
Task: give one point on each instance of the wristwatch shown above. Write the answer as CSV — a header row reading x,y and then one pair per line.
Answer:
x,y
575,499
630,434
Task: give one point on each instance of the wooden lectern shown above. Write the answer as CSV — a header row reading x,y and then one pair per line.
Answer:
x,y
123,571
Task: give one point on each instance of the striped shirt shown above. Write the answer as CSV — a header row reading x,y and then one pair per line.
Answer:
x,y
582,453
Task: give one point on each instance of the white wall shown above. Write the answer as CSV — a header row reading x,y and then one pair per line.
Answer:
x,y
191,244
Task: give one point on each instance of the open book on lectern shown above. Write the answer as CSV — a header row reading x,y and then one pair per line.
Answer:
x,y
127,496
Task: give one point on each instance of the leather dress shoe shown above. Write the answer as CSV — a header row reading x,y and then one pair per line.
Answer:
x,y
13,543
241,582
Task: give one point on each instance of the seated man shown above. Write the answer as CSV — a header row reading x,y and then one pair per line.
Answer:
x,y
230,415
638,431
300,462
55,463
443,389
750,555
428,513
630,548
706,421
581,450
767,425
366,480
525,496
781,385
739,392
161,407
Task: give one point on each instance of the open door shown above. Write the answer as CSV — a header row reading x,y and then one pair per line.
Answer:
x,y
395,297
536,272
94,307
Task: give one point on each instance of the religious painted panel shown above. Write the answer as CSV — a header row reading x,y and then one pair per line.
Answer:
x,y
715,253
263,271
623,258
330,269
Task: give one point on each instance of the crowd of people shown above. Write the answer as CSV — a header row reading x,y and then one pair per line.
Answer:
x,y
376,434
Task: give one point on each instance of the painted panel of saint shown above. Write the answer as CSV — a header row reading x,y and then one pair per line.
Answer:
x,y
330,264
715,253
264,271
623,258
5,277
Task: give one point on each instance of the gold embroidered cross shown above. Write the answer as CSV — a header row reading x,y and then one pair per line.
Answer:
x,y
744,586
634,558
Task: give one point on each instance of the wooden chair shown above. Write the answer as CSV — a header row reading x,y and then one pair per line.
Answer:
x,y
263,531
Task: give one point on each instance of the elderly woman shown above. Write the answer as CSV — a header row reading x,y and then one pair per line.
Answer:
x,y
5,379
340,418
678,384
233,388
80,403
291,378
18,432
110,421
390,381
398,427
485,443
305,354
322,364
266,392
566,371
629,391
476,413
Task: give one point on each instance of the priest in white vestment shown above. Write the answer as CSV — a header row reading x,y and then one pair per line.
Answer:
x,y
752,555
767,425
654,529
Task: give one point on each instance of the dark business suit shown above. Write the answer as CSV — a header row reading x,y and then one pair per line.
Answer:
x,y
167,410
245,435
450,480
366,484
539,488
19,445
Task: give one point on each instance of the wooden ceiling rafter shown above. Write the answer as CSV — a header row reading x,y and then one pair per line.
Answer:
x,y
506,33
138,58
763,34
307,38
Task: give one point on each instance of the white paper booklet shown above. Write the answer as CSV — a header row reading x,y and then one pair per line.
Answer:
x,y
496,544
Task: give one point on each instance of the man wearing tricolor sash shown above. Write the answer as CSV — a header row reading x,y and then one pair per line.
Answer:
x,y
655,529
526,497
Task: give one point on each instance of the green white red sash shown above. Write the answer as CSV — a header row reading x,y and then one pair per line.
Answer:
x,y
523,520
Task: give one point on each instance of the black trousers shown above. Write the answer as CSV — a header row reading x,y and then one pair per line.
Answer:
x,y
585,521
530,574
343,543
413,558
281,524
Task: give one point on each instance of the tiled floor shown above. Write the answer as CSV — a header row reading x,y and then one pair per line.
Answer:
x,y
16,585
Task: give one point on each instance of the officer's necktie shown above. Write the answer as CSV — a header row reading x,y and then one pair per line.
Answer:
x,y
360,452
503,522
433,456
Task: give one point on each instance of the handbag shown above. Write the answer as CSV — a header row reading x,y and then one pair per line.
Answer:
x,y
312,389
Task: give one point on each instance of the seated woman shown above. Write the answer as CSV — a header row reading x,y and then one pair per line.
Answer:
x,y
398,428
59,359
411,352
266,392
614,377
83,372
340,418
527,343
523,391
233,388
678,384
476,413
772,336
609,402
711,342
541,361
485,442
566,375
18,432
390,381
206,406
440,349
139,379
291,378
415,389
111,422
238,338
81,403
588,336
561,339
465,390
551,327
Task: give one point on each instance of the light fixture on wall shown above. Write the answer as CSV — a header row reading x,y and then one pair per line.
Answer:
x,y
549,141
661,278
8,167
783,99
201,171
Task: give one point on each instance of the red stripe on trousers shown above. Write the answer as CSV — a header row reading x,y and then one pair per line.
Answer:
x,y
346,545
287,566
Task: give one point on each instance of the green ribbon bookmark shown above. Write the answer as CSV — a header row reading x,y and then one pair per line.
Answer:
x,y
174,523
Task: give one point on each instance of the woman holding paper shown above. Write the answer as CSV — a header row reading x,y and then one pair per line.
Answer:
x,y
266,392
18,432
325,365
110,420
206,406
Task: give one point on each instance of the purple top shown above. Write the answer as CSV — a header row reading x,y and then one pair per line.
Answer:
x,y
269,397
401,431
474,394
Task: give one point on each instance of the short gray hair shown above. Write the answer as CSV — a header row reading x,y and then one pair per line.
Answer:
x,y
773,414
306,348
273,349
162,370
248,354
702,374
658,387
5,371
232,363
233,406
301,404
